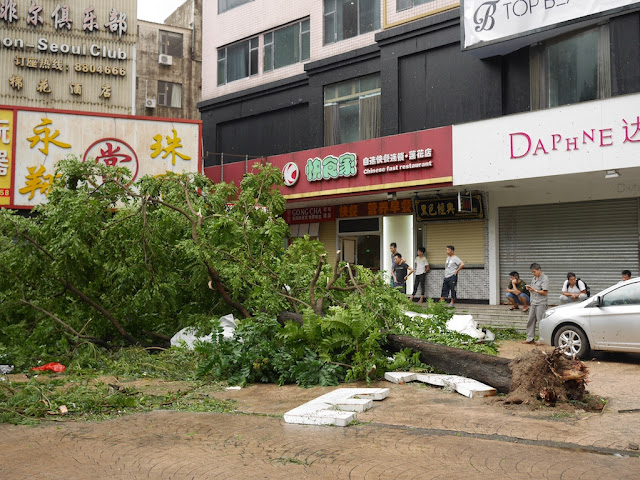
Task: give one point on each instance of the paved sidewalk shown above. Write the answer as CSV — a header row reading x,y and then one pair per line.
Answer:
x,y
418,432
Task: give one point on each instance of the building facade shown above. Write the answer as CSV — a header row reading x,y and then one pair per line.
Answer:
x,y
539,103
169,64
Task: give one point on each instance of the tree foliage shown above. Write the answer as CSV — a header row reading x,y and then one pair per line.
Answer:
x,y
115,264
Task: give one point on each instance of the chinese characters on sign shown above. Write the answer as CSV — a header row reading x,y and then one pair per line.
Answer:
x,y
331,167
368,209
309,215
445,209
45,35
173,143
393,162
61,16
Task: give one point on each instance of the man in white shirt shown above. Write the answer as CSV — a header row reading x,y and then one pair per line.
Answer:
x,y
573,290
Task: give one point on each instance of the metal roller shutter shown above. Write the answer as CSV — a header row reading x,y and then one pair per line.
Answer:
x,y
596,240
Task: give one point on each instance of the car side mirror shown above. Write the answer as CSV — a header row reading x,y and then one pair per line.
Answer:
x,y
599,301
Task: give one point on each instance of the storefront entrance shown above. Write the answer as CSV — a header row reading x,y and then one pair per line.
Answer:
x,y
362,250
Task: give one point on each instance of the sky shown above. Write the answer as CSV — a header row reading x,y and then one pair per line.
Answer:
x,y
157,10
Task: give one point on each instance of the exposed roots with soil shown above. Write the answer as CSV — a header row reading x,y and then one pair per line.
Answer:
x,y
541,377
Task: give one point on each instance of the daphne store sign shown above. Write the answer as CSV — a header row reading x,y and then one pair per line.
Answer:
x,y
491,21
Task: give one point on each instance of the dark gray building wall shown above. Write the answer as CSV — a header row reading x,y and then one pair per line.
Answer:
x,y
427,82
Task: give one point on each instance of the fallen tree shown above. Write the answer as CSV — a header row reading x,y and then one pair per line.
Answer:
x,y
491,370
113,264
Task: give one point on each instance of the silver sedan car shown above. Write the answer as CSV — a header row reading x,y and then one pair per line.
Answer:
x,y
607,321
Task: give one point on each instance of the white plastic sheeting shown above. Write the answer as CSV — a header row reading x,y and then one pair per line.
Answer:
x,y
187,336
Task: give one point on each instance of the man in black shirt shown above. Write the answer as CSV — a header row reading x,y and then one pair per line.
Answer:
x,y
400,272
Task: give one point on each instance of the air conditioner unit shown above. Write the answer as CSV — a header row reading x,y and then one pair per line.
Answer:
x,y
165,59
150,103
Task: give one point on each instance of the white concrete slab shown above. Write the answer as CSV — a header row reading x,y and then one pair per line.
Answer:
x,y
338,407
464,386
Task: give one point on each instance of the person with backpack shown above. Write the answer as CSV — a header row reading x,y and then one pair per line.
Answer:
x,y
573,290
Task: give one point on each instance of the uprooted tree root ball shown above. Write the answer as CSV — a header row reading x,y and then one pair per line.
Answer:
x,y
541,377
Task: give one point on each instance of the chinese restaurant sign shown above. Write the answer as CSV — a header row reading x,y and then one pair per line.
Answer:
x,y
399,161
31,147
309,215
368,209
64,53
447,209
487,22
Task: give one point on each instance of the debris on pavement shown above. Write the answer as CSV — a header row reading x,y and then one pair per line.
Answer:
x,y
187,336
464,324
50,367
464,386
338,407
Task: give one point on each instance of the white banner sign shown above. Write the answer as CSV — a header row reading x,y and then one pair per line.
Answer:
x,y
491,21
587,137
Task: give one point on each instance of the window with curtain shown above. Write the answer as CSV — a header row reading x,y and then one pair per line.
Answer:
x,y
574,68
169,94
405,4
224,5
170,43
237,61
286,45
349,18
352,110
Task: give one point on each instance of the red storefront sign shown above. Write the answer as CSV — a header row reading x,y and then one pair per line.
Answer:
x,y
408,160
369,209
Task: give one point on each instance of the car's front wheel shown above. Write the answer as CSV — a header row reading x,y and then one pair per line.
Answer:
x,y
572,340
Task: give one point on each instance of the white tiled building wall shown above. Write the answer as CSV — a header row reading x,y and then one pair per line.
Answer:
x,y
259,16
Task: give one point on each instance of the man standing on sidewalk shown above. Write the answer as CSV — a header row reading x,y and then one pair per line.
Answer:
x,y
452,266
539,289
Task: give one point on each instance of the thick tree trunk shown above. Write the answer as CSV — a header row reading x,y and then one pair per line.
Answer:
x,y
493,371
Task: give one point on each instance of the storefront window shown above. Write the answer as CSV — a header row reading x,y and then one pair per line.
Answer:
x,y
573,69
352,110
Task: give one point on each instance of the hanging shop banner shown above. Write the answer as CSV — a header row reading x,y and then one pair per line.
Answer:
x,y
409,160
41,138
369,209
447,209
487,22
309,215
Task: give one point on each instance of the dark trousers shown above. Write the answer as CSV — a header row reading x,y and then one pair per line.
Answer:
x,y
449,285
420,282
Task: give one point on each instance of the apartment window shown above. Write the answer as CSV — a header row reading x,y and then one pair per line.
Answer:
x,y
238,61
224,5
572,69
352,110
348,18
170,43
169,94
405,4
286,46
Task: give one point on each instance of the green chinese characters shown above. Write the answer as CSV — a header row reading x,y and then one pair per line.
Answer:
x,y
331,167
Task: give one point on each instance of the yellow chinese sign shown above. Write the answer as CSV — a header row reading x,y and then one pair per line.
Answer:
x,y
447,209
6,158
41,138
